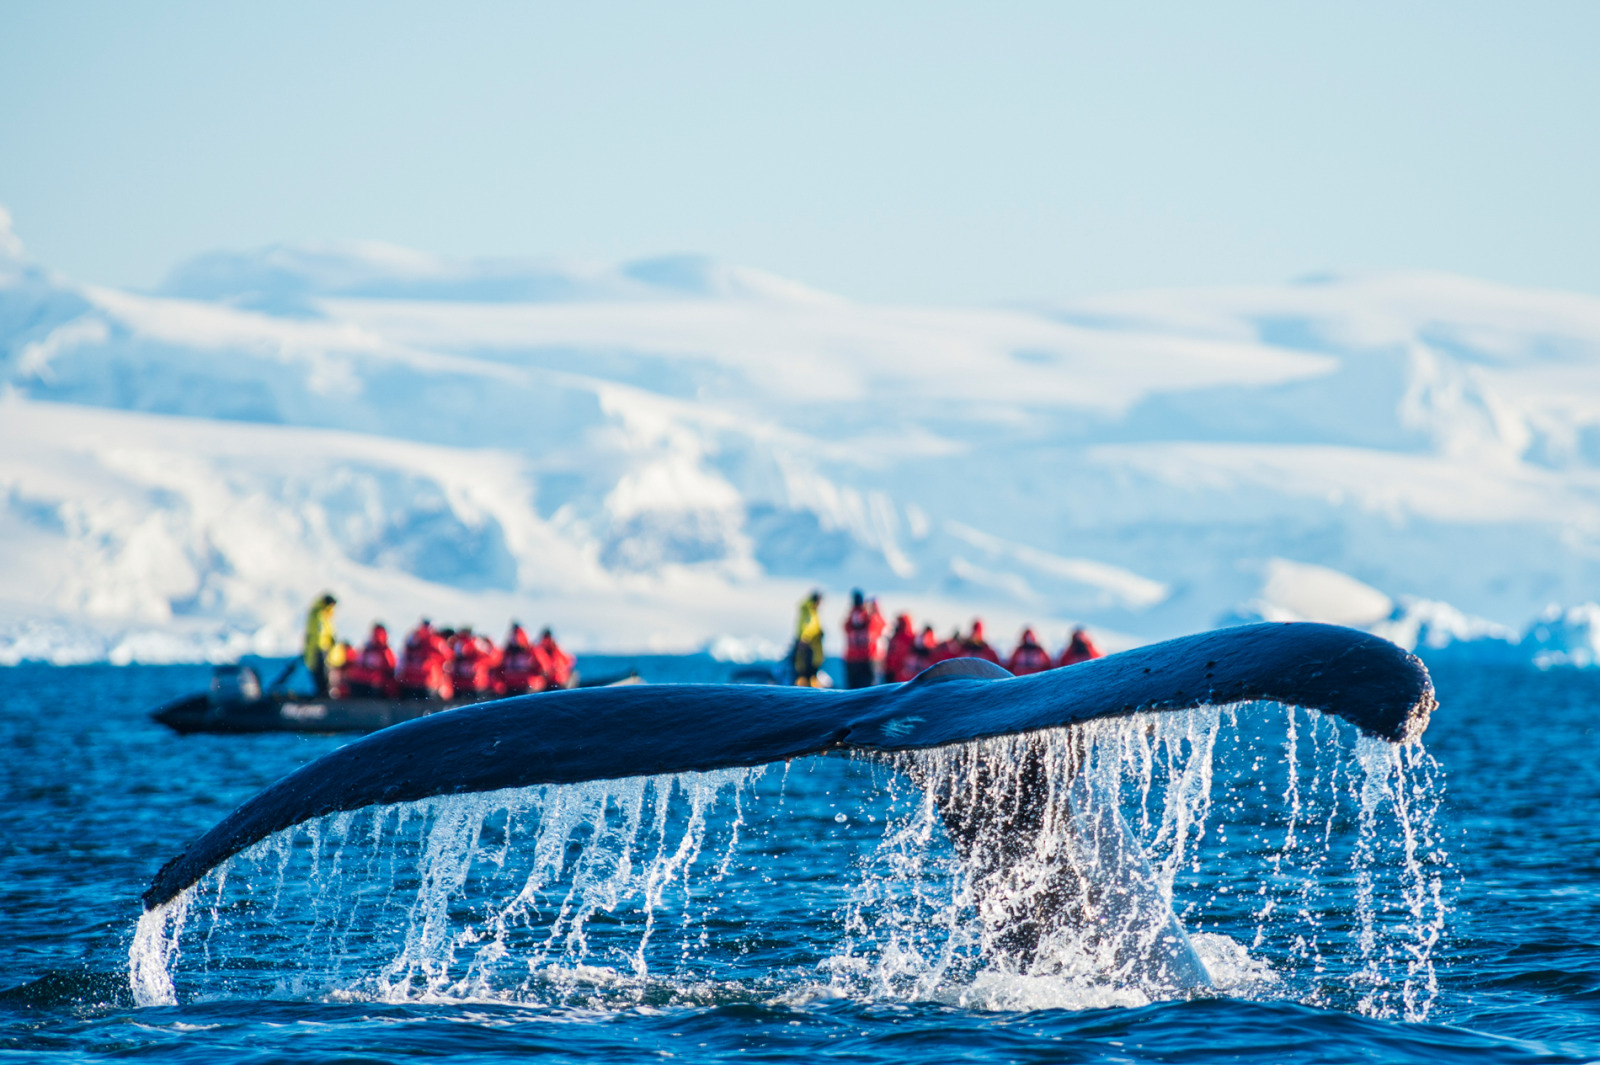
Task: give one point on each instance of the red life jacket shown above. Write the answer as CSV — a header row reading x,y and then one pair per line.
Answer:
x,y
423,669
979,649
875,626
557,663
413,669
923,650
1029,658
472,665
948,649
897,659
1081,649
522,671
521,666
373,668
858,636
377,658
975,646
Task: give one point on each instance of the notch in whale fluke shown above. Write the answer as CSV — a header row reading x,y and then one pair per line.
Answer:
x,y
606,733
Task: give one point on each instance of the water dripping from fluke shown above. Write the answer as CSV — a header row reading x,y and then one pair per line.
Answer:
x,y
996,842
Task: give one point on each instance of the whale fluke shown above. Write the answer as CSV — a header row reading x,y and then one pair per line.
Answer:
x,y
604,733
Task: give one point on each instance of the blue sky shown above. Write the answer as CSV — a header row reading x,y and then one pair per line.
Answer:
x,y
916,152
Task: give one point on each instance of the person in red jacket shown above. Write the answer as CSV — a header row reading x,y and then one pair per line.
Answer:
x,y
924,650
425,669
875,626
1030,656
493,656
1080,649
863,630
897,662
557,663
522,667
371,673
339,676
473,668
975,646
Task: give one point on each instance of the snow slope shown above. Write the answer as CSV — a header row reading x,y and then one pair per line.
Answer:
x,y
661,453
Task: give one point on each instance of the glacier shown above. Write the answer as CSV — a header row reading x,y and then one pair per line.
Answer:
x,y
666,454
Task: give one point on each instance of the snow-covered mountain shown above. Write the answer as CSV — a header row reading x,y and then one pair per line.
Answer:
x,y
665,452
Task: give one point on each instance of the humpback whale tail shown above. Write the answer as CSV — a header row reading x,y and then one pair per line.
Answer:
x,y
598,734
1045,854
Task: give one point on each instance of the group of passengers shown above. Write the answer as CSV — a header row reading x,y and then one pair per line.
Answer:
x,y
870,659
435,663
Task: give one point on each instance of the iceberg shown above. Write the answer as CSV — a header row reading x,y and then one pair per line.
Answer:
x,y
1567,636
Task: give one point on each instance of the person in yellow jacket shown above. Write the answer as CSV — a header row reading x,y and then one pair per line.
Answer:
x,y
808,642
323,650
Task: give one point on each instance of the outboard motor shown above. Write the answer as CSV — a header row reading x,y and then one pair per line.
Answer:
x,y
234,684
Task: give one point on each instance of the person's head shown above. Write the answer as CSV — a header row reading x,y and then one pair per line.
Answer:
x,y
977,628
380,632
425,625
327,601
903,622
1028,637
857,599
1078,634
546,634
815,597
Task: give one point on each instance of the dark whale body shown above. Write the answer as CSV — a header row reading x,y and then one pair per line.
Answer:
x,y
606,733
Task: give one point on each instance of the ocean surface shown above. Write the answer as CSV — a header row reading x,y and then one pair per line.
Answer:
x,y
1353,902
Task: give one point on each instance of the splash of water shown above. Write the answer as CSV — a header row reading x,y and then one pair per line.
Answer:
x,y
155,950
1302,859
1275,855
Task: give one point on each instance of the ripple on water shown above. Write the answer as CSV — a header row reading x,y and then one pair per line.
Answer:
x,y
806,942
744,885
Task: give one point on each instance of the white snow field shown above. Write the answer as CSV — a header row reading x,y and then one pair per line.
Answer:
x,y
666,454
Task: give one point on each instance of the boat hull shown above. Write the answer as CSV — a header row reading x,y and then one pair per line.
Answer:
x,y
198,713
204,713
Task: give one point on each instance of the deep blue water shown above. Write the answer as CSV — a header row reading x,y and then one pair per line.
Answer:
x,y
778,947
